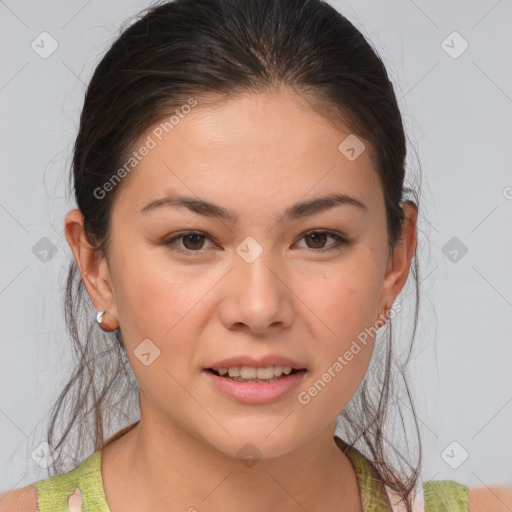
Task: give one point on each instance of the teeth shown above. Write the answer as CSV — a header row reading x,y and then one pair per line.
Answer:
x,y
234,371
250,372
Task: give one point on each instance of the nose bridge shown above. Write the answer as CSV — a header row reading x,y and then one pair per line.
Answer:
x,y
258,297
255,265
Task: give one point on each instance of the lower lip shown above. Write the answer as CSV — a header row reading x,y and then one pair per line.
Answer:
x,y
256,392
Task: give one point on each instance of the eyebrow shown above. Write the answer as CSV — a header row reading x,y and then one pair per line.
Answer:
x,y
296,211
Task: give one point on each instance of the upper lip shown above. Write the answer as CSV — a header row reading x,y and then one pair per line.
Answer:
x,y
244,360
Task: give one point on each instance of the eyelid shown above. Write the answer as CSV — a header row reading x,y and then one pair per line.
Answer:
x,y
170,241
341,240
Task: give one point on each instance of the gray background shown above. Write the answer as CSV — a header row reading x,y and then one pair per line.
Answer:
x,y
458,115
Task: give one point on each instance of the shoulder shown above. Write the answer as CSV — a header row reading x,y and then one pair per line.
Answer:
x,y
490,499
23,499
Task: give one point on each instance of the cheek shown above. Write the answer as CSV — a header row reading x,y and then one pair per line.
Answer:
x,y
344,324
151,299
329,390
343,347
345,299
158,306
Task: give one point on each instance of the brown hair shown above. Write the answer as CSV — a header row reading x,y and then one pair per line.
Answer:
x,y
217,48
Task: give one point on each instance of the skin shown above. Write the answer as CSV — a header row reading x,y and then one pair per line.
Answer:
x,y
256,155
177,456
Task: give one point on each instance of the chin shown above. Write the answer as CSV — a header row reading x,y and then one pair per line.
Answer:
x,y
255,442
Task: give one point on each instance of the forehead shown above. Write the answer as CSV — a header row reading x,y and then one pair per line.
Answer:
x,y
259,148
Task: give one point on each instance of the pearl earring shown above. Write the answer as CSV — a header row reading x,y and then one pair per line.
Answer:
x,y
99,316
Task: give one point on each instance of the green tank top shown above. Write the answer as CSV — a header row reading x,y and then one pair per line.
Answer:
x,y
438,495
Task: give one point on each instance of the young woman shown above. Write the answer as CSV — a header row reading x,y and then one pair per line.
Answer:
x,y
243,231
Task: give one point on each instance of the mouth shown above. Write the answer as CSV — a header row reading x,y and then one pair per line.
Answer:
x,y
264,375
256,384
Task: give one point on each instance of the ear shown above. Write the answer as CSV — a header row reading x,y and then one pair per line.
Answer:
x,y
400,259
94,269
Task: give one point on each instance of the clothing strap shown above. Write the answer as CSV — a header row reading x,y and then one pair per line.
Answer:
x,y
54,493
435,496
79,490
397,504
430,496
374,497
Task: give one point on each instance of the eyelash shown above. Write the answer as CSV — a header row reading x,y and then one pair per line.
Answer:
x,y
341,241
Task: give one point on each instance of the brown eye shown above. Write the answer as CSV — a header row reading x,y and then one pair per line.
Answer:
x,y
316,240
191,242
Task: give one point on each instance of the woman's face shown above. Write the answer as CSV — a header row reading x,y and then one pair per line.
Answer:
x,y
252,283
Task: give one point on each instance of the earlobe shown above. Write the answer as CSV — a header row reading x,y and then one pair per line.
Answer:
x,y
93,268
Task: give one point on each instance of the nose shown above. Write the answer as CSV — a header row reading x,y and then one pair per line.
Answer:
x,y
256,297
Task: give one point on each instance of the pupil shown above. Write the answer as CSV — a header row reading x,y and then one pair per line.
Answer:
x,y
191,237
316,235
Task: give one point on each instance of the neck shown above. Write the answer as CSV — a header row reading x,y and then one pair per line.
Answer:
x,y
155,469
